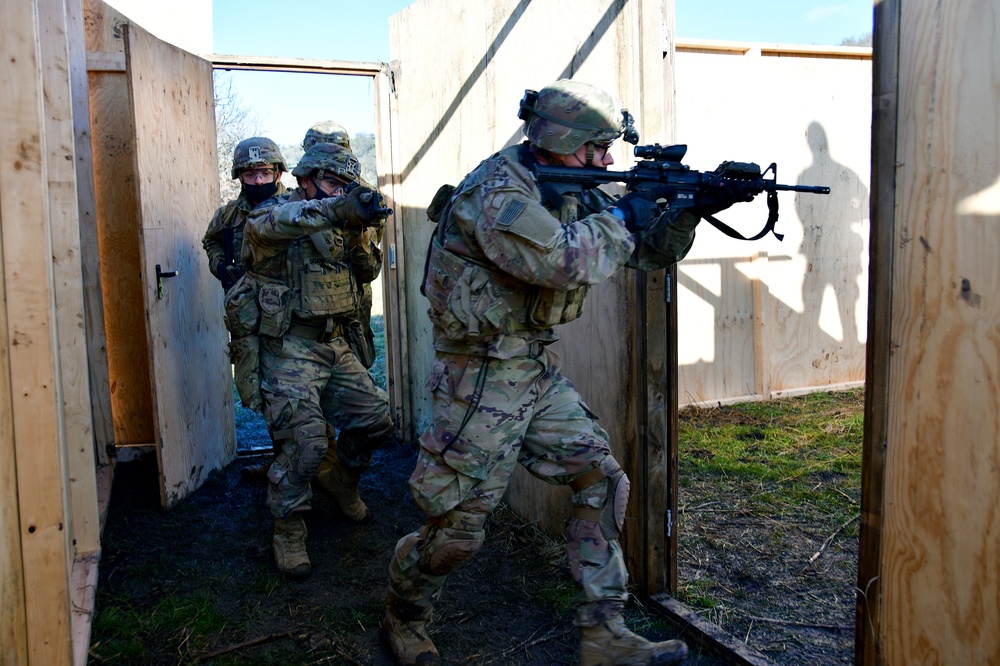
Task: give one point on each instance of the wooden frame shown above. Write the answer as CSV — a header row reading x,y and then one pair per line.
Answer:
x,y
394,294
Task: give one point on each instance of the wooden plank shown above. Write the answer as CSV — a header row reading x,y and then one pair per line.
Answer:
x,y
301,65
939,579
90,257
46,549
83,583
394,259
176,168
707,636
115,193
67,273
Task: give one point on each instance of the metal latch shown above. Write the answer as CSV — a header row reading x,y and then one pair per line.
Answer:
x,y
160,275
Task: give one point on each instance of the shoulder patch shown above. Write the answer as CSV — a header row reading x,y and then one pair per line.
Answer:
x,y
510,212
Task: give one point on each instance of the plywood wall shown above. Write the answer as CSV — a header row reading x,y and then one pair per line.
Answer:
x,y
37,624
113,136
930,545
772,317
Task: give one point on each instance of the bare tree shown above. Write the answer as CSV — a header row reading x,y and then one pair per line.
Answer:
x,y
858,40
233,123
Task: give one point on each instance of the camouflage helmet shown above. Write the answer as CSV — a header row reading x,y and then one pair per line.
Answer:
x,y
566,114
328,159
326,131
257,152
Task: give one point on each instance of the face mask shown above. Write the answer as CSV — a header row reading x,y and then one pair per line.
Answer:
x,y
259,193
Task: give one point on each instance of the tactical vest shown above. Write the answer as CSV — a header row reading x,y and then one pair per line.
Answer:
x,y
311,280
473,300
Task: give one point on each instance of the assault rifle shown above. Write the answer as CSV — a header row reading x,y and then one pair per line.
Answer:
x,y
660,175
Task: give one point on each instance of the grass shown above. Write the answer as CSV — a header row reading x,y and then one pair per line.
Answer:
x,y
769,500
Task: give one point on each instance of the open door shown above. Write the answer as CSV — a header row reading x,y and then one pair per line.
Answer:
x,y
173,105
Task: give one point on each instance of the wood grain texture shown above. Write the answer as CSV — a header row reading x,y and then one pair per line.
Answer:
x,y
36,427
64,219
171,96
940,579
115,195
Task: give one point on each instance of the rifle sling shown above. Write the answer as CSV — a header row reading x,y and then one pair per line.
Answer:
x,y
772,219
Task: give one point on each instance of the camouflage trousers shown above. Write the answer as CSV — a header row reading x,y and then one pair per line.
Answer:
x,y
310,389
490,414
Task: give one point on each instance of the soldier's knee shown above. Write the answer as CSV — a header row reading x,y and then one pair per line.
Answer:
x,y
604,492
303,447
455,537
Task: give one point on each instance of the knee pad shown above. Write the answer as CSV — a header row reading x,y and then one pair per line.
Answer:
x,y
611,493
311,445
455,537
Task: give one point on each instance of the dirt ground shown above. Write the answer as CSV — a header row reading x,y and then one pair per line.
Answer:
x,y
196,584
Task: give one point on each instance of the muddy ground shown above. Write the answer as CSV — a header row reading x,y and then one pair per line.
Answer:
x,y
196,584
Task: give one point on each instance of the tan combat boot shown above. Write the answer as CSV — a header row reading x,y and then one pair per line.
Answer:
x,y
409,642
289,546
611,644
342,484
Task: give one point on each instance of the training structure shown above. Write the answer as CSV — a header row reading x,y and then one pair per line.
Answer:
x,y
102,284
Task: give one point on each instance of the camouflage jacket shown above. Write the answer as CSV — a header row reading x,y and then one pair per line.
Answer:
x,y
232,215
295,242
505,266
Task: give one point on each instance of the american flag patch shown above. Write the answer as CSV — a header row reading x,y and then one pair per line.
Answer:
x,y
510,213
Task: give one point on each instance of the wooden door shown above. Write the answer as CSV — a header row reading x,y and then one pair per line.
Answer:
x,y
173,105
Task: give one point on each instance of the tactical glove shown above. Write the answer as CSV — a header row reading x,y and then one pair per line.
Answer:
x,y
228,274
720,196
359,208
638,210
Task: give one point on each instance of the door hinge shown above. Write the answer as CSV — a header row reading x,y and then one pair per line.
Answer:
x,y
670,523
668,288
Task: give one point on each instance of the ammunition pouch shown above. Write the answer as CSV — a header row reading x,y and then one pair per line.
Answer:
x,y
473,301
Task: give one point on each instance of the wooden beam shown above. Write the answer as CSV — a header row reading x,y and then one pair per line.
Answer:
x,y
46,549
880,345
301,65
90,257
707,636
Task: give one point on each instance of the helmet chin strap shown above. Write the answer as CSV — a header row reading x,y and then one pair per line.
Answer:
x,y
590,154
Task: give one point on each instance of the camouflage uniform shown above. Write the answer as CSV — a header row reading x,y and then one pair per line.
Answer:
x,y
309,269
506,264
233,215
223,240
328,131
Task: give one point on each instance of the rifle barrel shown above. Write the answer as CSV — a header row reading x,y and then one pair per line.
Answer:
x,y
811,189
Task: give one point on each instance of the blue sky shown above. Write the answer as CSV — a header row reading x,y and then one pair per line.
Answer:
x,y
287,104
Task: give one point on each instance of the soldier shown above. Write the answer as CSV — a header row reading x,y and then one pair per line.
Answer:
x,y
307,251
258,165
327,131
511,258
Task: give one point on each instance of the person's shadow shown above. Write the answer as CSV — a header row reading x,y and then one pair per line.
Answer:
x,y
831,244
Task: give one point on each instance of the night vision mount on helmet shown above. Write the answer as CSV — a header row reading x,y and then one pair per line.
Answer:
x,y
567,114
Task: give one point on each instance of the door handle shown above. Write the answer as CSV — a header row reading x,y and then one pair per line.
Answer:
x,y
160,275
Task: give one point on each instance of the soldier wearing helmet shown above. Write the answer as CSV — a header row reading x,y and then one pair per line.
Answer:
x,y
510,259
309,251
258,165
326,131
